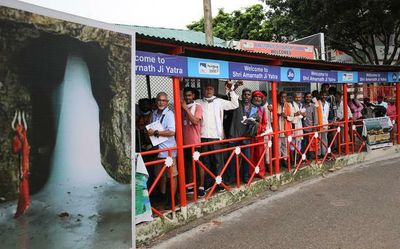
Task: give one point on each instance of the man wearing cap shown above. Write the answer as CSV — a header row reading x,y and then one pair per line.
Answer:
x,y
258,100
212,125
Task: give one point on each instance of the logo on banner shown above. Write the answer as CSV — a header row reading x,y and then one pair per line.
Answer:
x,y
209,68
347,77
394,76
290,74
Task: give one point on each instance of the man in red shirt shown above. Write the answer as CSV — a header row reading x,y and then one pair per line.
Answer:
x,y
192,114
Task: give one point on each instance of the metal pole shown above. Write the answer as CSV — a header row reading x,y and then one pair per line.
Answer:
x,y
179,141
275,126
398,111
322,40
208,30
148,86
346,120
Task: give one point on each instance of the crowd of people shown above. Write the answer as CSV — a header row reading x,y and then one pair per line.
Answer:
x,y
211,119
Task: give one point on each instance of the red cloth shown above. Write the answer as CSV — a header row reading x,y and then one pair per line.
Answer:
x,y
257,151
20,145
391,112
257,94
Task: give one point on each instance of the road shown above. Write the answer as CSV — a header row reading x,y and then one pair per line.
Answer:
x,y
355,207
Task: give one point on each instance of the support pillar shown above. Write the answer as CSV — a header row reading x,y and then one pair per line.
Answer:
x,y
346,120
275,127
398,111
179,141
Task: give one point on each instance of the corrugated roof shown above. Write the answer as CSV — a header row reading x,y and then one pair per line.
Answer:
x,y
182,35
176,41
197,39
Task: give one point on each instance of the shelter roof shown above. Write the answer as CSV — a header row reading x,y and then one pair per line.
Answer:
x,y
177,43
179,35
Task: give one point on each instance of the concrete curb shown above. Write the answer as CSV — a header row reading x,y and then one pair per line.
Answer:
x,y
151,230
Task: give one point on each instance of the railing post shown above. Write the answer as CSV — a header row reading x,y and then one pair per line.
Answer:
x,y
275,126
346,120
398,111
179,141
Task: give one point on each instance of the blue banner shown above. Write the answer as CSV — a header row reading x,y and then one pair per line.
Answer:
x,y
318,76
372,77
290,74
347,77
394,77
203,68
160,64
148,63
242,71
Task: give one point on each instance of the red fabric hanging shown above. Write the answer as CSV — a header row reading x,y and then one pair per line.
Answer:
x,y
21,146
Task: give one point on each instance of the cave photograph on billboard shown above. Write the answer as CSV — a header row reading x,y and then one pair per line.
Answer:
x,y
65,140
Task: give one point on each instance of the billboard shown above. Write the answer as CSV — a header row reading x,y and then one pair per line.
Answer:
x,y
378,132
65,130
281,49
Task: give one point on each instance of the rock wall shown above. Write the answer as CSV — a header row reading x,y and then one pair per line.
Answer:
x,y
19,30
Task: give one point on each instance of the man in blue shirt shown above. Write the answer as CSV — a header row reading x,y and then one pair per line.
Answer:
x,y
167,119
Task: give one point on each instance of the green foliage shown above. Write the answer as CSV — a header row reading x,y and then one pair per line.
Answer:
x,y
353,26
248,24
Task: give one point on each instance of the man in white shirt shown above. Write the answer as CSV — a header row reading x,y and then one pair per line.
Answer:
x,y
340,110
268,110
380,102
299,114
212,125
325,115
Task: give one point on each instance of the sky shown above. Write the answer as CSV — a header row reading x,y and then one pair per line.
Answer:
x,y
156,13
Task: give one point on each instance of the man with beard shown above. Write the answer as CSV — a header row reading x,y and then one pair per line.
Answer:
x,y
212,126
257,151
285,118
299,114
245,121
192,114
310,119
325,115
167,119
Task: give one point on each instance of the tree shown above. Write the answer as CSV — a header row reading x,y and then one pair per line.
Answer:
x,y
353,26
358,28
249,24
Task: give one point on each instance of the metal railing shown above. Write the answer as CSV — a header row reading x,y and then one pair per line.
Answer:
x,y
356,144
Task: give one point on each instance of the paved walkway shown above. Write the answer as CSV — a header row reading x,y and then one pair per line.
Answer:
x,y
355,207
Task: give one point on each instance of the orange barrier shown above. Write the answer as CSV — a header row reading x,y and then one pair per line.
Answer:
x,y
235,152
346,141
